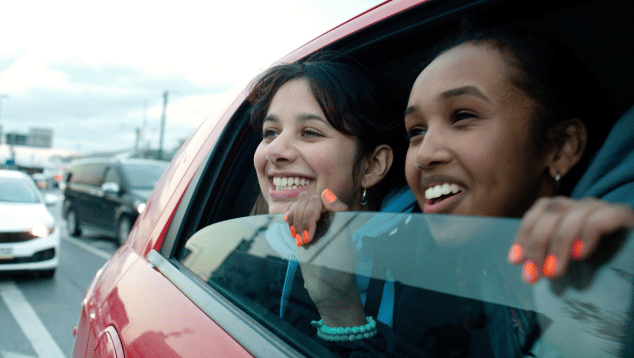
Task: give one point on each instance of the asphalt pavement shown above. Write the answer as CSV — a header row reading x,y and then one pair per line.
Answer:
x,y
37,315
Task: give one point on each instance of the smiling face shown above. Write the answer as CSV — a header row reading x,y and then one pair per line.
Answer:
x,y
472,150
301,151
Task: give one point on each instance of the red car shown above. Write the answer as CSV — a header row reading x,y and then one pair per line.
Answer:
x,y
197,278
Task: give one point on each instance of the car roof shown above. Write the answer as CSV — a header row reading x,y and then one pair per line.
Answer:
x,y
142,161
8,173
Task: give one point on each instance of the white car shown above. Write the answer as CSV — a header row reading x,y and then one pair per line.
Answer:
x,y
29,238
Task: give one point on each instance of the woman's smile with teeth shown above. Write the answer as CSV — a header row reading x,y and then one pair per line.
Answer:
x,y
437,191
289,183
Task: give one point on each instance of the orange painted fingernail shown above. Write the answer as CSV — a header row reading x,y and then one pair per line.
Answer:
x,y
305,237
286,216
550,265
530,272
515,253
292,230
577,249
329,196
298,239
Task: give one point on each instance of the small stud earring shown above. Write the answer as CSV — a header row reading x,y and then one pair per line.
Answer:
x,y
557,181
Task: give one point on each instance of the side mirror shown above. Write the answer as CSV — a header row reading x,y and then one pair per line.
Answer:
x,y
111,188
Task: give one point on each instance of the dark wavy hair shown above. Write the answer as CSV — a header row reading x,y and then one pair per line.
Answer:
x,y
554,77
354,100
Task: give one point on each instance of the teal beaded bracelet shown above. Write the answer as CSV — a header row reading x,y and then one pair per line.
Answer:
x,y
345,334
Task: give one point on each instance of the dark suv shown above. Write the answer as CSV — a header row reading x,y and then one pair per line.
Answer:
x,y
107,195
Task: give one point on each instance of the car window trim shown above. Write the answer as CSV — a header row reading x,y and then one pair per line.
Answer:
x,y
212,168
249,333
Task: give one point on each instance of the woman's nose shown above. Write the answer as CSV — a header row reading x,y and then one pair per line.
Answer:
x,y
281,149
433,151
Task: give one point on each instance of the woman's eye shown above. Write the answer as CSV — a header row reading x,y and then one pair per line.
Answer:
x,y
415,133
462,114
310,133
269,133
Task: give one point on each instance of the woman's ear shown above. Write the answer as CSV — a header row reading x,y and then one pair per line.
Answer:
x,y
570,139
378,164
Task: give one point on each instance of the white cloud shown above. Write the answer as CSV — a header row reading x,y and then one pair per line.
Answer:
x,y
78,66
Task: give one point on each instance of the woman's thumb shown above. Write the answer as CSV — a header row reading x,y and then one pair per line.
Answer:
x,y
331,202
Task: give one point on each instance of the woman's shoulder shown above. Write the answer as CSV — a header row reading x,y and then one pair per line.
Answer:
x,y
610,175
399,200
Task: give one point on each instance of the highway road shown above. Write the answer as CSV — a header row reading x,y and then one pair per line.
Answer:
x,y
37,315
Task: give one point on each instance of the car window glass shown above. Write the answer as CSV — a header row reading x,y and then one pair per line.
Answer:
x,y
452,287
112,176
95,173
88,174
17,191
75,173
144,176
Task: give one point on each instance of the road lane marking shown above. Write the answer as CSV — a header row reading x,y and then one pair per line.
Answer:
x,y
88,248
30,324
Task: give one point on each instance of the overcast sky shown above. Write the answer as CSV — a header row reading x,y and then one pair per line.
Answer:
x,y
86,70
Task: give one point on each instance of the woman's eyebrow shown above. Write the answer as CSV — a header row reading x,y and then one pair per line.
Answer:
x,y
310,117
301,117
466,90
270,118
409,110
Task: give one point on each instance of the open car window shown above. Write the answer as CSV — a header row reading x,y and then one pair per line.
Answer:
x,y
452,289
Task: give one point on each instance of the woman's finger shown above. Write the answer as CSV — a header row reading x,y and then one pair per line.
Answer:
x,y
312,214
570,227
517,252
537,243
606,220
297,215
332,203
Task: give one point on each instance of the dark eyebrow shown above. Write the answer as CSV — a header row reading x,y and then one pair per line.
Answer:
x,y
310,117
269,118
460,91
466,90
409,110
301,117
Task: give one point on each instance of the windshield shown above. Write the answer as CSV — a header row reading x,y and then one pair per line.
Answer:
x,y
144,176
445,278
17,191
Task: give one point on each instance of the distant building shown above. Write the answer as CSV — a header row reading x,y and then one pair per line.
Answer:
x,y
40,137
36,137
16,139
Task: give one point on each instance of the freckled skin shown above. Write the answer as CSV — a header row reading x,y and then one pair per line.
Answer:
x,y
482,141
310,147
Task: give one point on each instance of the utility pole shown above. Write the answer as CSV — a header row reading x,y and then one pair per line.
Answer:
x,y
143,127
137,140
160,149
138,143
2,96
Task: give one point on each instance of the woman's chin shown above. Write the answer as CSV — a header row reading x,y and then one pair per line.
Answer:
x,y
277,208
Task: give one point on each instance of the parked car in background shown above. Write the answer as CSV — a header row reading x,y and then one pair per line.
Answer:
x,y
45,180
199,276
29,237
107,195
